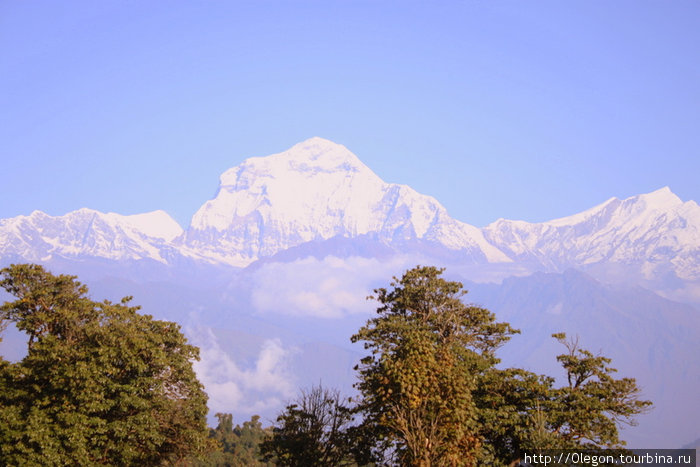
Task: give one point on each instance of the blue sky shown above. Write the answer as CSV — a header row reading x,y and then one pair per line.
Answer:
x,y
522,110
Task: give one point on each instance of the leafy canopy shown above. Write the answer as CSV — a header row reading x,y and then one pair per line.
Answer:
x,y
432,395
234,446
100,384
427,350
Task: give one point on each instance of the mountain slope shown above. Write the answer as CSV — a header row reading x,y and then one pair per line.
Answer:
x,y
318,198
88,233
319,230
315,191
651,239
648,230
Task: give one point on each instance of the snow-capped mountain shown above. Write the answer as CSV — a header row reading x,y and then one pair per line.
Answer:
x,y
654,234
319,197
320,230
88,233
318,190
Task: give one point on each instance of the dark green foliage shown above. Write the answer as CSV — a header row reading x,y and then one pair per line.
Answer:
x,y
427,351
101,384
511,406
523,412
314,431
431,394
593,403
236,446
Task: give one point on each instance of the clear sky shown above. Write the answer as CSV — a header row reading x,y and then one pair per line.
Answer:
x,y
523,110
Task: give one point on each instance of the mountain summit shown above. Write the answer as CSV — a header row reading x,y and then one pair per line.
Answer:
x,y
318,190
653,229
284,319
651,239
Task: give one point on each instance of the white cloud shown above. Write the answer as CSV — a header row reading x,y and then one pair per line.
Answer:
x,y
237,390
328,288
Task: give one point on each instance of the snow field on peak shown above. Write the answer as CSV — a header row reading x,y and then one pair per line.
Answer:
x,y
653,230
86,232
318,190
157,224
310,184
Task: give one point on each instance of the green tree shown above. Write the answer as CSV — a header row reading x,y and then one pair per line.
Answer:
x,y
521,411
427,350
236,446
431,394
588,410
100,384
316,430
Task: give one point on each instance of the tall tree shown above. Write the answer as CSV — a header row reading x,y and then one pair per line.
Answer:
x,y
593,404
427,350
432,395
100,384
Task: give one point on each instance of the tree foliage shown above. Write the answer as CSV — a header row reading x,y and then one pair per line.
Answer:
x,y
100,384
593,403
316,430
103,384
521,411
236,446
431,393
427,350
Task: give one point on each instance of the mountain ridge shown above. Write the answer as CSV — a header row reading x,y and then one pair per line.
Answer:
x,y
318,190
310,260
85,231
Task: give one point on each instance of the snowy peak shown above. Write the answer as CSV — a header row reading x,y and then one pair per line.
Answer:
x,y
316,190
324,152
660,200
648,205
322,155
654,231
307,183
313,156
636,210
87,232
156,224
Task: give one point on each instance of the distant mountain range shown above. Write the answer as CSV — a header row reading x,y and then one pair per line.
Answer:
x,y
269,278
319,190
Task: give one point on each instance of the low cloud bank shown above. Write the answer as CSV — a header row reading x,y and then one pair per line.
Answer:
x,y
327,288
263,387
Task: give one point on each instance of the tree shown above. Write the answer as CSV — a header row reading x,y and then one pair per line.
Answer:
x,y
313,431
589,409
100,384
432,395
236,446
521,411
427,350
